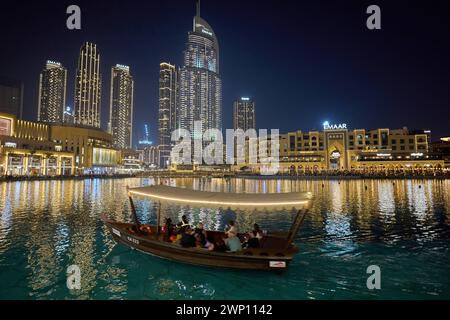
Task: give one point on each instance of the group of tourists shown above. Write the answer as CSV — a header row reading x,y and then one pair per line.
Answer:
x,y
188,236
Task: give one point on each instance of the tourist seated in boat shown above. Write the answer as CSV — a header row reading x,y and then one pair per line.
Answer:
x,y
187,238
254,237
168,230
233,244
200,234
231,229
220,246
183,224
145,229
232,240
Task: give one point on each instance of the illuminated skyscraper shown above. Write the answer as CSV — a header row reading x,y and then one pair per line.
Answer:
x,y
200,83
52,93
88,87
244,114
168,98
121,107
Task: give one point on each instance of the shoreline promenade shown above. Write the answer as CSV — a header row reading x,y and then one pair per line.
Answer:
x,y
227,175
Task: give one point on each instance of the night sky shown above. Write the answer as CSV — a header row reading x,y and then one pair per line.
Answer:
x,y
303,62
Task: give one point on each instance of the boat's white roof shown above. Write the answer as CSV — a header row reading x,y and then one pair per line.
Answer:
x,y
225,200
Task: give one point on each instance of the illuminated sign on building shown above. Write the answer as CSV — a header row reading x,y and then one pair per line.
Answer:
x,y
10,144
328,126
123,67
53,63
245,99
207,32
203,29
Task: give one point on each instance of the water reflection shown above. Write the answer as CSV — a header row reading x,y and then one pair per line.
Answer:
x,y
45,226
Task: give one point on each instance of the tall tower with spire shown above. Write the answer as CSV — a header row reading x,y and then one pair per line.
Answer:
x,y
200,82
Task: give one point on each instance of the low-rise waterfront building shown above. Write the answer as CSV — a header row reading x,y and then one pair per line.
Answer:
x,y
92,148
27,150
442,148
337,148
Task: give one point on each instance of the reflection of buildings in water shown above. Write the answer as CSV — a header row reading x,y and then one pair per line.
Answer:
x,y
81,253
446,200
40,247
386,202
336,197
417,200
116,279
90,197
41,258
6,212
337,225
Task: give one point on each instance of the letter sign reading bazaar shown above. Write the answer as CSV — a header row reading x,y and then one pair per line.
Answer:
x,y
328,126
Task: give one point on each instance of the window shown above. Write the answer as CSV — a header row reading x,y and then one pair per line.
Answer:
x,y
394,147
402,141
402,148
384,139
394,141
411,141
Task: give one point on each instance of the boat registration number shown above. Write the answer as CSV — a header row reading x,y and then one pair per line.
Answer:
x,y
116,232
133,240
277,264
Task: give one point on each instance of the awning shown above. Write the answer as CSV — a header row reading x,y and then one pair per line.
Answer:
x,y
225,200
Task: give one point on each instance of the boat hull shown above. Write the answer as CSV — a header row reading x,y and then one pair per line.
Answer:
x,y
251,259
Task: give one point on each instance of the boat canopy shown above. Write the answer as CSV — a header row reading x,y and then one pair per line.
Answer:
x,y
225,200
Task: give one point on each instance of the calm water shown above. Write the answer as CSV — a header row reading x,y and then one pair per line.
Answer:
x,y
401,226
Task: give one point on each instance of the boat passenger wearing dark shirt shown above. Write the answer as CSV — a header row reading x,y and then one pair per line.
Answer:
x,y
200,233
187,238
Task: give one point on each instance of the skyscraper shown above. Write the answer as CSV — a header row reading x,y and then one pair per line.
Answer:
x,y
168,98
200,83
244,114
121,107
52,93
88,87
11,97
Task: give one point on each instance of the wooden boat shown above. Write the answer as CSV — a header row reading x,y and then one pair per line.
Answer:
x,y
276,249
